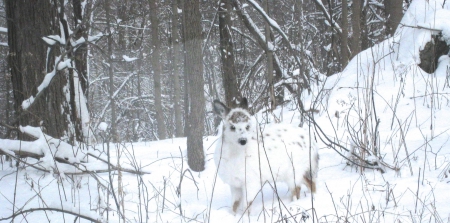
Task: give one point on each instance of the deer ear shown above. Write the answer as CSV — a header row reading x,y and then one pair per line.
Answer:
x,y
220,109
244,104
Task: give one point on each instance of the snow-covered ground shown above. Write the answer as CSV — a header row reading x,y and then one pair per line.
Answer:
x,y
382,93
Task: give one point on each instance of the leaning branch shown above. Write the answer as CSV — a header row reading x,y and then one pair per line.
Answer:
x,y
275,26
256,33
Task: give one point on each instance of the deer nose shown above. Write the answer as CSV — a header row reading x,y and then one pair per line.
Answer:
x,y
242,141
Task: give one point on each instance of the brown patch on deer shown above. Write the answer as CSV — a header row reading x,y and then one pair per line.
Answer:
x,y
296,192
238,116
309,182
236,205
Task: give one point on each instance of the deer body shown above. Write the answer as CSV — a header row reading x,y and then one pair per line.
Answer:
x,y
247,156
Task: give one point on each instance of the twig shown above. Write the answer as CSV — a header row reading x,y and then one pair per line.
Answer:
x,y
118,168
50,209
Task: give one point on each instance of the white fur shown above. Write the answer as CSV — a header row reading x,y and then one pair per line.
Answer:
x,y
279,153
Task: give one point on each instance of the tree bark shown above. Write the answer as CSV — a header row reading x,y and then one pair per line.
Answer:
x,y
364,28
227,54
356,27
115,137
156,65
30,60
194,71
176,52
394,13
269,57
344,36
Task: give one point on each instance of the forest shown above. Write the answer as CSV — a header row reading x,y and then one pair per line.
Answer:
x,y
106,107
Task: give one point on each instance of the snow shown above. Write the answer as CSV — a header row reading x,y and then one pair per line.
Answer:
x,y
102,126
129,59
64,64
52,39
381,90
27,102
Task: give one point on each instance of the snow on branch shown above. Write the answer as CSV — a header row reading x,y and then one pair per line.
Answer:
x,y
60,64
53,39
129,59
48,150
275,25
44,84
45,148
116,93
328,16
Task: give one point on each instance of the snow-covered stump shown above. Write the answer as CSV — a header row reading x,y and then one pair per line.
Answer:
x,y
432,51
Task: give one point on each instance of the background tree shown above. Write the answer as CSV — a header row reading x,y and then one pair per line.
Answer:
x,y
176,67
230,84
194,73
156,67
110,69
356,27
344,36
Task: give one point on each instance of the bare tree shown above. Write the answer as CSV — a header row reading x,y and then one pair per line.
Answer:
x,y
176,61
156,66
114,134
344,35
269,57
356,27
194,72
227,53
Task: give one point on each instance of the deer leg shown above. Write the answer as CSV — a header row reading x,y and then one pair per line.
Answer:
x,y
236,194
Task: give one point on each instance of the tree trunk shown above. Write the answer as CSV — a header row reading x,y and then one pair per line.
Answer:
x,y
194,71
156,65
364,28
227,54
356,27
176,52
269,57
344,36
30,60
78,78
394,14
114,135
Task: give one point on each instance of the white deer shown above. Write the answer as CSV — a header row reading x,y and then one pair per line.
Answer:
x,y
247,157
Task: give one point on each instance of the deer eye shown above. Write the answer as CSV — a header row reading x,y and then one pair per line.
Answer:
x,y
232,128
247,127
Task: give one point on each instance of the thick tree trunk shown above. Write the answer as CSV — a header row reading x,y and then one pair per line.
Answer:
x,y
29,62
194,71
156,65
227,54
394,14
